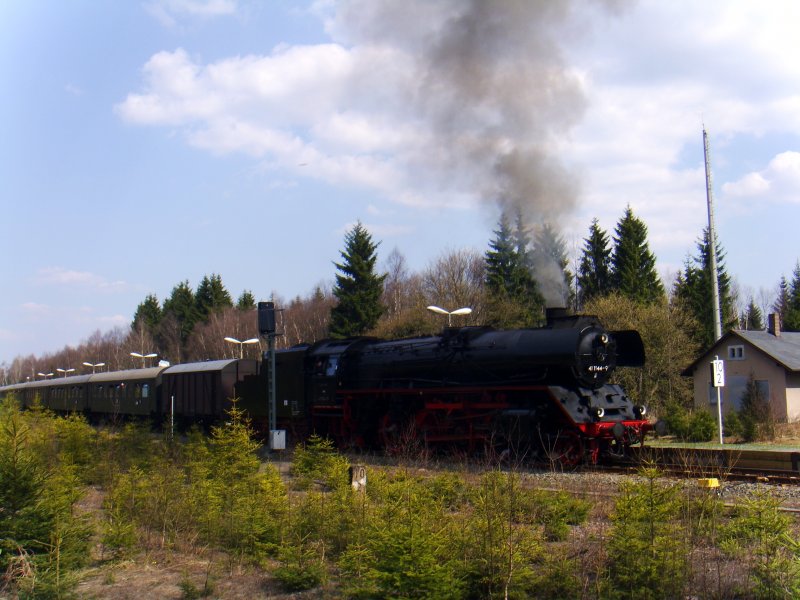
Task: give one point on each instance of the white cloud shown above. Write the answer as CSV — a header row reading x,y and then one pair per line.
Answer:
x,y
60,276
356,110
169,12
73,89
778,183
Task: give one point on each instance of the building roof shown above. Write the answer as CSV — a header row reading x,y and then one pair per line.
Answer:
x,y
784,348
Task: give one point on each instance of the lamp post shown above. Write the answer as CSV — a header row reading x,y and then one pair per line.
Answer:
x,y
241,344
450,313
143,356
45,375
65,371
94,365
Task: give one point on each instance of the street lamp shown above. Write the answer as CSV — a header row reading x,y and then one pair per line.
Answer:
x,y
450,313
241,344
94,365
45,375
143,356
65,371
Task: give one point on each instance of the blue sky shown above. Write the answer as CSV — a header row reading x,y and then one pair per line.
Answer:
x,y
144,143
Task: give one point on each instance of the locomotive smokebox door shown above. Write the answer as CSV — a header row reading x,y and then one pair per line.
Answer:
x,y
266,318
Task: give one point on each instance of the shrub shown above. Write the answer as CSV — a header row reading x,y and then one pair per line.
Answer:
x,y
755,414
759,532
676,417
732,425
41,541
318,460
702,426
302,565
645,553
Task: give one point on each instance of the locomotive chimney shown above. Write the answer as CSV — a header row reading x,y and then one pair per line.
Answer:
x,y
774,324
553,313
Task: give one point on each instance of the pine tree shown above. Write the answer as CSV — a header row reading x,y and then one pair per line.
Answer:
x,y
513,294
753,319
694,291
633,266
181,306
594,272
211,296
246,301
781,304
502,260
791,319
358,288
148,314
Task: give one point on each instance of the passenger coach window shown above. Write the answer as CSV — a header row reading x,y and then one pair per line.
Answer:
x,y
146,390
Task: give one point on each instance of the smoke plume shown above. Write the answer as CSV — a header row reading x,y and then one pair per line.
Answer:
x,y
491,92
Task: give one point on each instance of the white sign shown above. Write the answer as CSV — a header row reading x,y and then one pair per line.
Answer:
x,y
718,373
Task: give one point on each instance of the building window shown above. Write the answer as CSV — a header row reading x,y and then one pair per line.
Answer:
x,y
762,386
735,352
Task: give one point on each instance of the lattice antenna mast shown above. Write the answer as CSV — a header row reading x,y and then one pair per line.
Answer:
x,y
712,240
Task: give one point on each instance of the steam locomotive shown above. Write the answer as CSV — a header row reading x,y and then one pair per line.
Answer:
x,y
541,391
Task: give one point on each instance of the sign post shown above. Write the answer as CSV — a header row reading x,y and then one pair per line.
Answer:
x,y
718,379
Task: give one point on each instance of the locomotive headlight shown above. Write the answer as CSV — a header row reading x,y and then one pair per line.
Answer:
x,y
604,338
640,410
598,412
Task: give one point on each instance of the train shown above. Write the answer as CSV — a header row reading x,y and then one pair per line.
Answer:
x,y
534,393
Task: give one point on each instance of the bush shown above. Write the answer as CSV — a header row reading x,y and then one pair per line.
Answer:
x,y
318,461
676,417
702,426
759,532
732,425
42,542
646,556
755,414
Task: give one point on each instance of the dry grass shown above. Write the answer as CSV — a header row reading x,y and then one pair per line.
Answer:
x,y
787,433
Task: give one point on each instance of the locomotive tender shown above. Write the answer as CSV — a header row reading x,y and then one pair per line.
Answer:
x,y
540,391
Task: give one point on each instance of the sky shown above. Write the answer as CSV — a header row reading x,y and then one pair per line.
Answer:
x,y
147,143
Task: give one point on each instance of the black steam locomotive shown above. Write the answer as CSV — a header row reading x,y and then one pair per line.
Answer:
x,y
540,391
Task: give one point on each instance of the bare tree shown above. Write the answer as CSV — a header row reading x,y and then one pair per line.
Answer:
x,y
456,280
306,319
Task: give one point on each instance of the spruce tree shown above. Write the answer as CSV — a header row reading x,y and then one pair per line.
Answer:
x,y
694,290
502,260
148,314
358,287
791,320
211,296
513,295
181,306
246,301
633,266
753,319
594,272
781,304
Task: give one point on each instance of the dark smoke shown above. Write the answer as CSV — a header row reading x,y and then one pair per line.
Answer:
x,y
492,91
